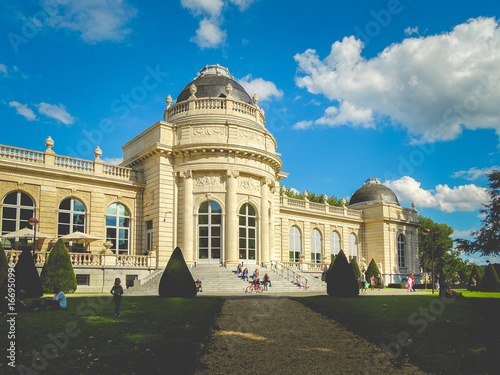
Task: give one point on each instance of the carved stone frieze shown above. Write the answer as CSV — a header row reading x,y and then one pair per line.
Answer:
x,y
246,134
208,130
209,181
232,173
249,183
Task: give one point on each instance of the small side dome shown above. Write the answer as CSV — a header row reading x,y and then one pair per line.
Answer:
x,y
212,83
372,192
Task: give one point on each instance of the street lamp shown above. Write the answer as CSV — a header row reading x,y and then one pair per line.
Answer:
x,y
428,231
33,222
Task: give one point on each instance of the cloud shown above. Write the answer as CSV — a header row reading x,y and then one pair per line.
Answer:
x,y
243,4
347,113
442,197
114,161
474,173
95,20
303,124
23,110
462,233
433,104
201,7
57,112
3,70
209,35
411,30
265,89
14,72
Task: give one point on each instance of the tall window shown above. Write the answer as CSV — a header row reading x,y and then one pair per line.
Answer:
x,y
353,246
295,244
209,231
315,246
118,228
248,233
401,251
149,235
71,217
334,244
17,209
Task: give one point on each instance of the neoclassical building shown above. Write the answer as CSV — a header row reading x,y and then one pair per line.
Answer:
x,y
206,178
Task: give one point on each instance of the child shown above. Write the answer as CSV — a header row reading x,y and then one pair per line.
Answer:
x,y
117,292
199,287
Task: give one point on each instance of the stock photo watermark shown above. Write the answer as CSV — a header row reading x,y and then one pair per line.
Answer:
x,y
11,315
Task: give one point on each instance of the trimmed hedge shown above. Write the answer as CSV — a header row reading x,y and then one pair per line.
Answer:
x,y
58,270
4,267
340,278
373,270
177,280
490,282
27,277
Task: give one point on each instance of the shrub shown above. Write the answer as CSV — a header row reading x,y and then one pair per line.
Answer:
x,y
340,278
176,280
58,270
355,268
373,270
27,277
474,271
490,282
4,267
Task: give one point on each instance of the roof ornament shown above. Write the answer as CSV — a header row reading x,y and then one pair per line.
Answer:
x,y
229,90
255,99
49,143
193,89
169,101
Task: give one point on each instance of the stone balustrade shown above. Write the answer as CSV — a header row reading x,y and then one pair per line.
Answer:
x,y
214,106
306,206
48,158
303,266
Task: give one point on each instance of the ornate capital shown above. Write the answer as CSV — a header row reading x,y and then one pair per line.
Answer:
x,y
232,173
185,174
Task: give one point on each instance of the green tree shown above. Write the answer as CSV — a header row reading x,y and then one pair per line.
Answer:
x,y
27,277
372,270
355,268
4,267
487,238
340,279
58,270
438,240
477,275
490,281
177,280
455,269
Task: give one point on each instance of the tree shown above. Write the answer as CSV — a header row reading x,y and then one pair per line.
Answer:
x,y
176,280
490,282
487,238
438,239
58,270
455,269
4,267
340,278
27,277
372,270
355,268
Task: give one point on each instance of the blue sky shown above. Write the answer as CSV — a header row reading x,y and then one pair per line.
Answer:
x,y
406,91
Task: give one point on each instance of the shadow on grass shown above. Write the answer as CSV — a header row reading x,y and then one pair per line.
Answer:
x,y
152,335
440,336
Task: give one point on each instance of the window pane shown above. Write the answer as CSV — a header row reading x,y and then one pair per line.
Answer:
x,y
215,242
123,244
215,207
251,254
65,204
111,209
11,199
8,226
110,233
243,210
78,219
215,253
26,214
251,210
203,241
216,219
26,200
251,222
111,221
204,253
79,228
203,208
243,220
62,229
251,233
78,206
203,231
9,213
124,222
149,224
243,243
215,231
203,219
251,244
123,233
243,233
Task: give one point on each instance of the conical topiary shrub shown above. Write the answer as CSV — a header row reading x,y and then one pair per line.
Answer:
x,y
355,268
474,272
4,267
58,270
373,270
490,281
176,280
340,278
27,277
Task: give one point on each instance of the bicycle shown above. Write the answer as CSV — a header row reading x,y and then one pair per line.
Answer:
x,y
254,287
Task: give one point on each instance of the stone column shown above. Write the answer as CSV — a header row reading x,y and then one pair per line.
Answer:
x,y
231,248
264,208
188,228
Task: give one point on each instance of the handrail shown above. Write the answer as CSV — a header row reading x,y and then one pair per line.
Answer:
x,y
281,270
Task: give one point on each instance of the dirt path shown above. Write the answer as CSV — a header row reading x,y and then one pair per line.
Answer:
x,y
280,336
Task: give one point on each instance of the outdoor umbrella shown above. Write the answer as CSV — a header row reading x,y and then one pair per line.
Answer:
x,y
79,237
25,233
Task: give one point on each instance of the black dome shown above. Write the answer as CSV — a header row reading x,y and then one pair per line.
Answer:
x,y
212,82
373,192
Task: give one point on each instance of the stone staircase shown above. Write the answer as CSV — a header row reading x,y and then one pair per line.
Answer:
x,y
221,280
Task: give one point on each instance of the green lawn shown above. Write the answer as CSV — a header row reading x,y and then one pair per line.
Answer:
x,y
457,337
153,335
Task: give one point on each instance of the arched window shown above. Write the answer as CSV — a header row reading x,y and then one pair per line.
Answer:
x,y
295,244
209,231
118,228
315,246
17,209
247,233
353,246
334,244
401,251
71,217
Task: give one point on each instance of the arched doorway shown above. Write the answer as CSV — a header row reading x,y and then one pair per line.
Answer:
x,y
209,232
247,235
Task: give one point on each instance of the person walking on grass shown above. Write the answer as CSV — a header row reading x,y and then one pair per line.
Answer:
x,y
117,292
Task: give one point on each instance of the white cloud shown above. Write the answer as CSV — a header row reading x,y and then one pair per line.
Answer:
x,y
114,161
265,89
197,7
474,173
433,104
3,70
23,110
95,20
57,112
209,35
442,197
462,233
347,114
243,4
411,30
303,125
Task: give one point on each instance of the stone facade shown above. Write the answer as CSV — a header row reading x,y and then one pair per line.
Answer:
x,y
207,179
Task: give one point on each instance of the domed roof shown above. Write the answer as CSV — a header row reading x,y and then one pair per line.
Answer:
x,y
212,82
373,192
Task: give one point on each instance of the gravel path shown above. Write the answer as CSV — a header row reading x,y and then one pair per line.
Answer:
x,y
272,335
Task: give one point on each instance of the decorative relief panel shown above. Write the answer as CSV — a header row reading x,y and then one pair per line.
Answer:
x,y
209,130
209,181
252,136
249,183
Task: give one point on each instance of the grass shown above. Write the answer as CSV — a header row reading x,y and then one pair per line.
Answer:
x,y
457,337
152,335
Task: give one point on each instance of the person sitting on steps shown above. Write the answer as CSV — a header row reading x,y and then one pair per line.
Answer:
x,y
199,286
